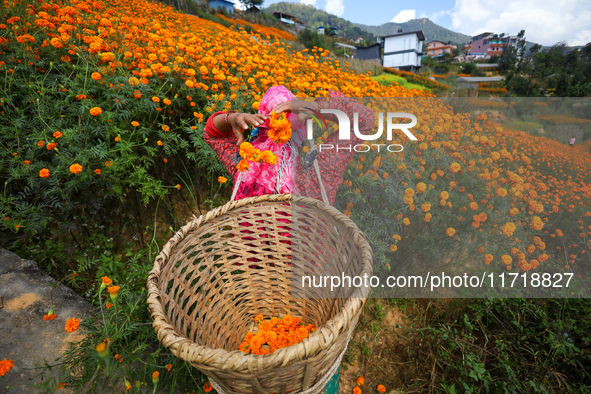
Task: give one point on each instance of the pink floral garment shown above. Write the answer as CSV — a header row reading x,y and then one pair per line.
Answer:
x,y
261,179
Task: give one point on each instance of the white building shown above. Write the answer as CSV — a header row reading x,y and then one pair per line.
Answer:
x,y
320,30
403,50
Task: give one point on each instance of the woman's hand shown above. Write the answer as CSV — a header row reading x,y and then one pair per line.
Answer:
x,y
298,107
239,122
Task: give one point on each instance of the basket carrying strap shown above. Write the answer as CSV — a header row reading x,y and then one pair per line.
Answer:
x,y
316,170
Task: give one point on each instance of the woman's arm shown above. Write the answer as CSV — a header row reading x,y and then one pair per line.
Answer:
x,y
223,132
222,142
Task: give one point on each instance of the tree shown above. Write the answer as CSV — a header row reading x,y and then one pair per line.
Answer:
x,y
508,59
249,3
521,49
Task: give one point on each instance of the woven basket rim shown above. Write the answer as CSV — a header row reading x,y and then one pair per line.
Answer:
x,y
219,359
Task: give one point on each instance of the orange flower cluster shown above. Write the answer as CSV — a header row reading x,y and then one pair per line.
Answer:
x,y
263,30
5,366
72,325
560,119
275,334
76,168
415,78
49,316
250,153
280,128
151,41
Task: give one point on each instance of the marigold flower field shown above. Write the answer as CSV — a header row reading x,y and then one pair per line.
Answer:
x,y
103,105
521,202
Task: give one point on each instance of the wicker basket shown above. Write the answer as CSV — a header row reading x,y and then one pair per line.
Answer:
x,y
224,268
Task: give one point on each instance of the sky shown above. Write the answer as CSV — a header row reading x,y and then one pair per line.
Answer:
x,y
545,21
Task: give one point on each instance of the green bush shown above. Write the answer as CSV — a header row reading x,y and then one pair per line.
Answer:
x,y
515,346
83,187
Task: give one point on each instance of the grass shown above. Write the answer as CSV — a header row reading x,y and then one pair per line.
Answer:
x,y
399,80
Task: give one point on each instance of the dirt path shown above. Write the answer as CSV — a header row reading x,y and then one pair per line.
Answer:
x,y
25,338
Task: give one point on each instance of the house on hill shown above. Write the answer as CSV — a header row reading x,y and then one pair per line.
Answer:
x,y
320,30
490,44
348,48
253,10
403,50
226,5
334,30
437,48
372,53
289,20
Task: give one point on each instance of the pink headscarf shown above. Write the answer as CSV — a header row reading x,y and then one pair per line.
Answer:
x,y
262,178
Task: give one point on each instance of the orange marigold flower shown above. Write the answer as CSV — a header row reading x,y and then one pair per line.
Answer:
x,y
109,305
108,56
356,390
243,165
156,99
44,173
222,179
178,186
168,367
360,380
96,76
102,349
117,139
159,143
508,229
72,325
393,248
381,388
108,163
135,124
155,377
49,316
279,128
113,289
5,366
454,167
75,168
269,157
450,231
40,143
57,134
51,146
96,111
207,387
97,171
106,280
60,386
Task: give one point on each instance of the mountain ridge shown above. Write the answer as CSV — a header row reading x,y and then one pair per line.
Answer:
x,y
314,17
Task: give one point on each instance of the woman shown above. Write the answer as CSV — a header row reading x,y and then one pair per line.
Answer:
x,y
223,132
